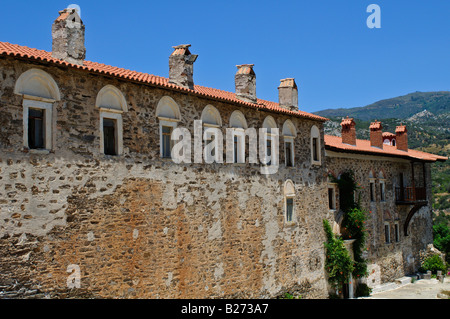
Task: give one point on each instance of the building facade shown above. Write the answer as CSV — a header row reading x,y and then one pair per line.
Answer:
x,y
92,203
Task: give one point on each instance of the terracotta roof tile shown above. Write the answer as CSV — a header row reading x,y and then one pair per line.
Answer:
x,y
363,146
347,121
41,55
388,134
375,126
401,129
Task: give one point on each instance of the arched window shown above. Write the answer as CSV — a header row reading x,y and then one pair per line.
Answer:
x,y
39,91
212,135
239,124
112,104
289,203
315,146
289,134
269,124
168,113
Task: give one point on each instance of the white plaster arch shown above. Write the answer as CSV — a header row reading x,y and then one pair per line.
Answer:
x,y
237,120
289,129
269,123
289,189
211,116
167,108
110,97
37,83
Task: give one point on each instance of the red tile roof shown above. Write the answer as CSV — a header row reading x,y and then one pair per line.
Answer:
x,y
334,143
41,55
401,129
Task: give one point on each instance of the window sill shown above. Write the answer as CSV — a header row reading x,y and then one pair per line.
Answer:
x,y
39,151
290,224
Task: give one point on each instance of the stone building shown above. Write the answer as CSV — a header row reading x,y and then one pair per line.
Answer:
x,y
394,188
92,203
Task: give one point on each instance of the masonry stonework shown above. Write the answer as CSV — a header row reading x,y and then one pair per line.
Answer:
x,y
139,226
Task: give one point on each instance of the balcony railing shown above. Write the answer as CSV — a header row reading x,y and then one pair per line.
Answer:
x,y
410,194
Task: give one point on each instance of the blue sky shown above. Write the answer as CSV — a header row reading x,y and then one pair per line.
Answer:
x,y
325,45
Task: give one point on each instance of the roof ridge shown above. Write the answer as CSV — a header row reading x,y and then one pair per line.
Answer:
x,y
22,51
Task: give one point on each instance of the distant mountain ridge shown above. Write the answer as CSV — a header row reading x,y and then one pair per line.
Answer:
x,y
401,107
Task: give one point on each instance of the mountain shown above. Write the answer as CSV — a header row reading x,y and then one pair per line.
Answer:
x,y
401,107
427,118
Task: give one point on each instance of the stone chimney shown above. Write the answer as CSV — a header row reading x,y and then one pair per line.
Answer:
x,y
376,134
68,37
181,66
288,94
245,81
348,133
401,137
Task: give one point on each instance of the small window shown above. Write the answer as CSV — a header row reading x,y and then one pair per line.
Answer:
x,y
397,232
289,209
372,191
166,141
288,154
387,233
331,198
235,149
36,128
269,150
109,136
315,149
382,191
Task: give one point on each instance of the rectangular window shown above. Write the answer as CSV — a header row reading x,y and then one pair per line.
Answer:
x,y
289,209
331,199
36,128
109,136
269,150
372,191
315,149
387,233
235,149
166,141
288,154
382,191
397,232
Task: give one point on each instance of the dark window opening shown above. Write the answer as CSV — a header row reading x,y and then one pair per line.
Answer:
x,y
288,154
315,149
387,234
166,142
372,192
331,198
269,151
109,137
36,128
289,209
235,149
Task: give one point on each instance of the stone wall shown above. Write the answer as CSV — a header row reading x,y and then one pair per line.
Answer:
x,y
388,261
138,226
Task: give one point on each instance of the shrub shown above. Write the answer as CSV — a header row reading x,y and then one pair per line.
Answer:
x,y
433,263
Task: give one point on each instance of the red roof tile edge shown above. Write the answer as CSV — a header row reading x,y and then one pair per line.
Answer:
x,y
16,50
334,143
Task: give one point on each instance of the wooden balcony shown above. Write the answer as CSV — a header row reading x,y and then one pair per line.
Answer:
x,y
410,195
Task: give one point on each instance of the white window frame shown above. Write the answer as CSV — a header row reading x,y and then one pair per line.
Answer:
x,y
173,123
289,139
289,193
116,115
382,190
41,104
315,133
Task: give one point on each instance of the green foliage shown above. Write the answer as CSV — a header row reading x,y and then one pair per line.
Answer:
x,y
290,296
362,291
433,263
441,234
338,262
